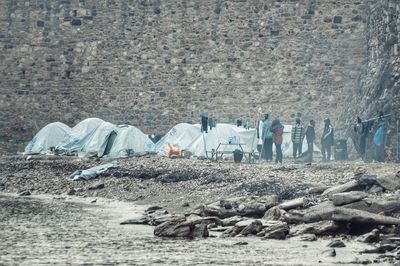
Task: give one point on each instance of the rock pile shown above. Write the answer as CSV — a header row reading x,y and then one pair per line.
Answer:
x,y
350,209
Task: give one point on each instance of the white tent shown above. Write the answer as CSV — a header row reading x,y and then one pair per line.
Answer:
x,y
79,135
181,135
130,141
224,134
100,140
48,137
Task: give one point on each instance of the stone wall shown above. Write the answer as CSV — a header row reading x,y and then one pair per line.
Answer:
x,y
154,63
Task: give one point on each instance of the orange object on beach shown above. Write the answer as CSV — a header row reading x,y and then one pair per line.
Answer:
x,y
174,151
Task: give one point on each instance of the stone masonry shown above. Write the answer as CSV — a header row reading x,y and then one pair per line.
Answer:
x,y
154,63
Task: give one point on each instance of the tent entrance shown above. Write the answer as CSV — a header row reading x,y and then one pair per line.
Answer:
x,y
110,141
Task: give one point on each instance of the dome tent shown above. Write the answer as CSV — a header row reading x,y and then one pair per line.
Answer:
x,y
48,137
100,141
182,135
130,141
79,136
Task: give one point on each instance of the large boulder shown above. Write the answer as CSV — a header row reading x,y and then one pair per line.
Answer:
x,y
375,206
390,182
274,214
173,228
371,237
217,211
232,220
252,209
356,216
343,198
159,219
183,227
293,204
320,212
275,230
256,206
319,228
349,186
252,229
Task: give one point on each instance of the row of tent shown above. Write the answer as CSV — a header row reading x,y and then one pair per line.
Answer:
x,y
95,137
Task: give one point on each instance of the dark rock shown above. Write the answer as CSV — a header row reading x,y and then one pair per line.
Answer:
x,y
241,243
185,204
375,189
173,228
308,237
339,199
371,237
319,212
375,206
329,253
319,228
182,227
159,219
365,180
153,208
40,23
252,229
214,210
98,186
337,19
232,220
254,209
349,186
274,214
71,192
381,249
336,244
76,22
200,230
293,217
356,216
390,182
277,230
25,193
142,220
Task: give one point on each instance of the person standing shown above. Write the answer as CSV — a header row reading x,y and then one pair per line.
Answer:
x,y
310,137
267,139
379,140
297,138
327,141
277,137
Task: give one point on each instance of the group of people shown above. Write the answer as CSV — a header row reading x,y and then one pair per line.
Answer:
x,y
271,132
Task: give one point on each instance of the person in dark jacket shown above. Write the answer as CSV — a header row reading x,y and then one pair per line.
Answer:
x,y
297,138
267,139
327,141
277,138
310,137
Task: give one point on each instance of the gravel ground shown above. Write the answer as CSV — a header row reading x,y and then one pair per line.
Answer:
x,y
175,183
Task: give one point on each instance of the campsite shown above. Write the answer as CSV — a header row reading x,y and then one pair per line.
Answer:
x,y
313,209
94,137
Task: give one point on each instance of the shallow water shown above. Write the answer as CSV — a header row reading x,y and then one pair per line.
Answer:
x,y
36,231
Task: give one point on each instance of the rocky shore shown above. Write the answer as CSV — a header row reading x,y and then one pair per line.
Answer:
x,y
342,202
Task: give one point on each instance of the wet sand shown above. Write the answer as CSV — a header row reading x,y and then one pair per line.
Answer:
x,y
48,230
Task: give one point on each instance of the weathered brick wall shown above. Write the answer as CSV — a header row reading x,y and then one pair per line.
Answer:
x,y
154,63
